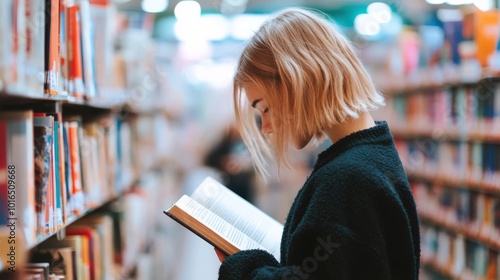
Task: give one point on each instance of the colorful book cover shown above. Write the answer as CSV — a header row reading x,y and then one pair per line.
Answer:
x,y
43,164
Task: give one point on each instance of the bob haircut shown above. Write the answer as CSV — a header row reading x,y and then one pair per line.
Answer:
x,y
310,77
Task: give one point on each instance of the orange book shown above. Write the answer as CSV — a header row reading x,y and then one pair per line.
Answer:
x,y
486,31
74,53
51,85
74,148
102,3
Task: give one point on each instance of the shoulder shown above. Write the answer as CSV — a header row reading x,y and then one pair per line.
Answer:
x,y
348,179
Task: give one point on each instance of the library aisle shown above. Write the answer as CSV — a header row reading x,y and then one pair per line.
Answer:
x,y
111,110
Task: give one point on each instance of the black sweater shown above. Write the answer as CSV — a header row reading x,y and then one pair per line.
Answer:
x,y
354,218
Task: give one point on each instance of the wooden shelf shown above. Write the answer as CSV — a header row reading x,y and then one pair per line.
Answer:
x,y
473,186
127,187
437,270
117,99
445,137
459,229
430,88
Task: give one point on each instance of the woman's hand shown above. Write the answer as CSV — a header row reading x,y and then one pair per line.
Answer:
x,y
220,255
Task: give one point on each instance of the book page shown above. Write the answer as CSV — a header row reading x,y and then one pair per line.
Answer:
x,y
241,214
210,226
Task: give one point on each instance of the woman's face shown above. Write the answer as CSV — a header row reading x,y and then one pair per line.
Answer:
x,y
259,103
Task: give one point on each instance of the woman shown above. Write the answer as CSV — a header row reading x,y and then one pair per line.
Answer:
x,y
355,217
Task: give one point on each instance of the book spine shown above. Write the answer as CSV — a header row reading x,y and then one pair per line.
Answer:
x,y
63,43
75,76
3,174
87,32
52,60
67,171
58,182
74,149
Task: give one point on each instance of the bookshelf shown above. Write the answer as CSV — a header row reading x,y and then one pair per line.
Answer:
x,y
82,153
448,139
443,107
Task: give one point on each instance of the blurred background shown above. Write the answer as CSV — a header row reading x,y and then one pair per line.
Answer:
x,y
140,92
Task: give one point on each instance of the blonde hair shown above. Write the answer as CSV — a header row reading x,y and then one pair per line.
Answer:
x,y
310,77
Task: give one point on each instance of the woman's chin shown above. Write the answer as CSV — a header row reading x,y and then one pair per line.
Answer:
x,y
299,144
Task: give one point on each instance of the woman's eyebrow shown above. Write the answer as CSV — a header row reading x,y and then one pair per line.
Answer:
x,y
254,103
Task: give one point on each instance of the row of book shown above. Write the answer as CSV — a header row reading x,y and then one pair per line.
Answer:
x,y
455,257
472,164
463,112
56,47
108,243
454,45
85,253
123,240
472,214
56,168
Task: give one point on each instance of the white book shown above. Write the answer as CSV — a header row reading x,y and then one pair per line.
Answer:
x,y
227,221
87,49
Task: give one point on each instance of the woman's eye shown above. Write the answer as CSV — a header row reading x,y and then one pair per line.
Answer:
x,y
266,110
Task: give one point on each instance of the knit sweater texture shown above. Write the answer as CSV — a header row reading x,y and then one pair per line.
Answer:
x,y
354,218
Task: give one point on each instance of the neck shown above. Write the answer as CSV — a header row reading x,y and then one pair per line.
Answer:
x,y
341,130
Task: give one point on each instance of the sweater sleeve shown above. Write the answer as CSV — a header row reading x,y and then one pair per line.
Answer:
x,y
341,235
328,259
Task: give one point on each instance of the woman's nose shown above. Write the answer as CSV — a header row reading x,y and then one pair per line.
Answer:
x,y
266,127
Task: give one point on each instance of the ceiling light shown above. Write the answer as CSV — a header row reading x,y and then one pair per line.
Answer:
x,y
154,6
187,10
381,12
484,5
365,24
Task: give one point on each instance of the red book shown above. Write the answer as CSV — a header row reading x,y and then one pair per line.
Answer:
x,y
94,248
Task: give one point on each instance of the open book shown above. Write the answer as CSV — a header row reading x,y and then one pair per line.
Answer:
x,y
226,220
